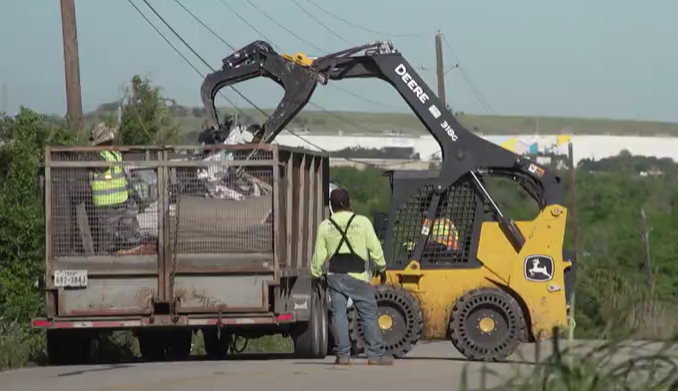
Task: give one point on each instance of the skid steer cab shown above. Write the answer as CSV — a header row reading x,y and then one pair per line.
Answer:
x,y
458,267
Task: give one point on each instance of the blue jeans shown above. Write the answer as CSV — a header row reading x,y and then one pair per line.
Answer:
x,y
341,287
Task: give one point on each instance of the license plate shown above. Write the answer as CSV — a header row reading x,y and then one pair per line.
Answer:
x,y
70,278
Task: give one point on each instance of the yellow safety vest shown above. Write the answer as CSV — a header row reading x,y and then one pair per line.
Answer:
x,y
443,232
110,187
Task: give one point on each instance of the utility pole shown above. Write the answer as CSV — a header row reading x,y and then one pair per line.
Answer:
x,y
440,71
72,66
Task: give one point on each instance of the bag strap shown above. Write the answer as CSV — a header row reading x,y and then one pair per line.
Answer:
x,y
343,233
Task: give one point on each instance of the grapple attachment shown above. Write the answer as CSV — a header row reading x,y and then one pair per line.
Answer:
x,y
259,59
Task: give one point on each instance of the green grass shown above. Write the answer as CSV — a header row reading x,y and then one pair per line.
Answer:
x,y
615,365
19,345
266,344
324,122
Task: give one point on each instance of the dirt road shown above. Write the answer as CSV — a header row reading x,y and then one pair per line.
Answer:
x,y
434,365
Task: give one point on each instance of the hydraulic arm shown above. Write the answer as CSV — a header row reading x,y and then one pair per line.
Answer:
x,y
462,151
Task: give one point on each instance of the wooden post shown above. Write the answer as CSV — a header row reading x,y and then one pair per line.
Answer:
x,y
573,220
644,232
439,68
72,66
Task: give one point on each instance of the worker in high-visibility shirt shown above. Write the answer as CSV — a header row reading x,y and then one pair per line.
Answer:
x,y
443,235
112,197
344,244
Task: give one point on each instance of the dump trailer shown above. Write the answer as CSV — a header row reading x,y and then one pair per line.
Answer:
x,y
205,260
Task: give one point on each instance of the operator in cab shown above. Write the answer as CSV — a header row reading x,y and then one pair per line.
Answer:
x,y
344,245
443,237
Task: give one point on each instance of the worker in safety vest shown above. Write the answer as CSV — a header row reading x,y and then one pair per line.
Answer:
x,y
111,196
344,244
443,235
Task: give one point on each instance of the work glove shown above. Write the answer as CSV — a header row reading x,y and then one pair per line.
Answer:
x,y
318,282
382,277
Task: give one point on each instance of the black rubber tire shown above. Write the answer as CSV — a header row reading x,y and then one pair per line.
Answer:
x,y
404,308
216,344
311,339
508,318
68,347
152,345
159,344
179,346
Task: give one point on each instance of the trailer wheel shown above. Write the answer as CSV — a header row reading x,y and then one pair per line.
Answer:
x,y
216,344
180,344
158,344
151,345
68,347
311,338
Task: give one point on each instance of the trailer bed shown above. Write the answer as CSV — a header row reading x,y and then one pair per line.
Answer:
x,y
202,255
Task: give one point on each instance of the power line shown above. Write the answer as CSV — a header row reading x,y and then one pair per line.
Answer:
x,y
321,23
203,24
207,64
244,20
479,96
198,55
269,17
483,101
361,27
176,50
327,112
302,39
374,102
200,73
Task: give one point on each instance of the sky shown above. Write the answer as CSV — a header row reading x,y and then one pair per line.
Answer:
x,y
579,58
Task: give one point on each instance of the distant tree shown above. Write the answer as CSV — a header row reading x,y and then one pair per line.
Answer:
x,y
198,112
145,116
626,163
178,110
374,153
108,107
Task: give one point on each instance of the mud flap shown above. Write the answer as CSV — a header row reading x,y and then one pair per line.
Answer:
x,y
298,300
311,338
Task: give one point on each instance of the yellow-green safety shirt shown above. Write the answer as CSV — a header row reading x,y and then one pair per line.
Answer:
x,y
360,234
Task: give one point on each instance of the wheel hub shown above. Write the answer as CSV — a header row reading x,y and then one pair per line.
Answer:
x,y
486,324
385,322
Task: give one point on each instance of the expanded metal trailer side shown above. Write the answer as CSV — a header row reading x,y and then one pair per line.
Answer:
x,y
225,233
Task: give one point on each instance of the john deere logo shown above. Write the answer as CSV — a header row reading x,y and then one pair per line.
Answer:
x,y
538,268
